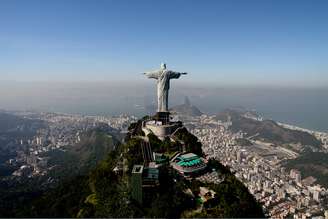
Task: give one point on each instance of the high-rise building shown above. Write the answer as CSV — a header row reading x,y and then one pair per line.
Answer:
x,y
281,193
298,177
136,181
239,156
283,170
316,195
295,174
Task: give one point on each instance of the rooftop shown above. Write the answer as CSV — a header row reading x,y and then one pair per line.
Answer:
x,y
188,157
137,169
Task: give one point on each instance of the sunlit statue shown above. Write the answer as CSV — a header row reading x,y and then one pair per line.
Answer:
x,y
163,77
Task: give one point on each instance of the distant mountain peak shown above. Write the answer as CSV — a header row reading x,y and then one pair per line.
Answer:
x,y
186,108
187,101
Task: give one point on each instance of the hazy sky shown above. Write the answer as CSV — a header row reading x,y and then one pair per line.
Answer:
x,y
223,42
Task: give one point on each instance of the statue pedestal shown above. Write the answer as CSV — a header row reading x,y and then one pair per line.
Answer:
x,y
160,125
163,117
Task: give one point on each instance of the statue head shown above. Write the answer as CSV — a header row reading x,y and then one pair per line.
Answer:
x,y
163,66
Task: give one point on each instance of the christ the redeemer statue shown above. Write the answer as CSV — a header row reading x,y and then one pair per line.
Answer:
x,y
163,77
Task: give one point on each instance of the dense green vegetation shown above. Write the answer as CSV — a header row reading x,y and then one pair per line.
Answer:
x,y
80,158
134,153
106,194
63,201
15,194
190,141
311,164
231,195
76,161
166,146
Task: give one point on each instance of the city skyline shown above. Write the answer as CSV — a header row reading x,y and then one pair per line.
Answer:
x,y
234,43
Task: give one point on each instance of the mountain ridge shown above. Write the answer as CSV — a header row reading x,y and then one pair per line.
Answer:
x,y
268,130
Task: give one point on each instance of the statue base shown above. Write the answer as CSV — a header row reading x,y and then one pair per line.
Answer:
x,y
163,117
160,125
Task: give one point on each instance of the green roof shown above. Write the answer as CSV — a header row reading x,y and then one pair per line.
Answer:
x,y
188,157
161,159
189,163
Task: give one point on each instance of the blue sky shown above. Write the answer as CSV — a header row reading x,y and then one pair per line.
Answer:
x,y
221,42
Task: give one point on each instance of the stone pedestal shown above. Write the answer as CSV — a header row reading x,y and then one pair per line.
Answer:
x,y
160,125
163,117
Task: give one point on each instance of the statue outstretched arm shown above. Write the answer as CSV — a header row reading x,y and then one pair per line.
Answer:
x,y
176,75
154,74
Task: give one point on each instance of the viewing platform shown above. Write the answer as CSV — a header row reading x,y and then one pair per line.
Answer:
x,y
160,125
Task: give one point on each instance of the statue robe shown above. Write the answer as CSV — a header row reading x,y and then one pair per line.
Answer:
x,y
163,78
